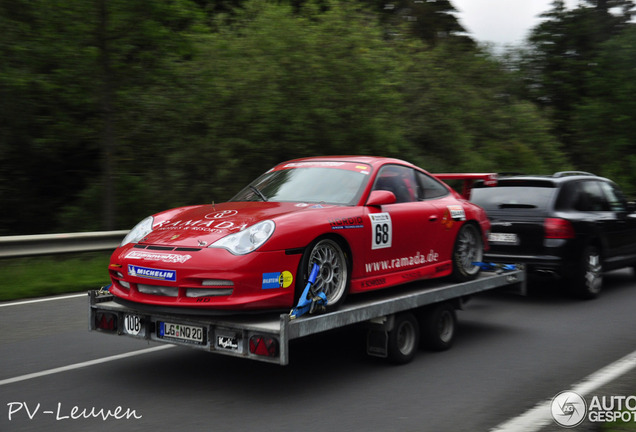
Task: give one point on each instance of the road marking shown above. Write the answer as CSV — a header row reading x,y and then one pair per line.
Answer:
x,y
18,303
84,364
539,416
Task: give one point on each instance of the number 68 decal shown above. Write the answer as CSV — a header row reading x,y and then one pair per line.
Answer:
x,y
381,230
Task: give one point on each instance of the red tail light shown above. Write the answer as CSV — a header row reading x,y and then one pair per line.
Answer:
x,y
265,346
106,321
558,229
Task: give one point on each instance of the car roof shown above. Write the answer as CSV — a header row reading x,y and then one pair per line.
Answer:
x,y
374,161
556,178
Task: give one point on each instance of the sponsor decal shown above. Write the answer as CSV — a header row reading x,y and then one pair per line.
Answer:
x,y
227,342
443,268
212,225
221,214
381,230
346,223
313,164
411,275
457,212
152,273
155,256
451,214
374,283
277,280
397,263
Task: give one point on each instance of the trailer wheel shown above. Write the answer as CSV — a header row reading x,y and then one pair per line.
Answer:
x,y
438,326
468,249
333,277
404,338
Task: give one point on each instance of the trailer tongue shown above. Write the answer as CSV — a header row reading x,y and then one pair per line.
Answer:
x,y
397,319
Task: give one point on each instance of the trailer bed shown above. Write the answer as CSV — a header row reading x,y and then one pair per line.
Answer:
x,y
266,336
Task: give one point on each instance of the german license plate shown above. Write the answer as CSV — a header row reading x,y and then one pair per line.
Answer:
x,y
507,238
182,332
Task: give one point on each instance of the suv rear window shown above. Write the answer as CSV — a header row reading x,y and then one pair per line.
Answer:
x,y
514,195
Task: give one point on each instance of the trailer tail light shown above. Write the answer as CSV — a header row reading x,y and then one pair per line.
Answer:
x,y
558,229
264,346
106,321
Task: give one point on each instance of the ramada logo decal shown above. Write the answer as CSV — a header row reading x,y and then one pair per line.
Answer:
x,y
221,214
152,273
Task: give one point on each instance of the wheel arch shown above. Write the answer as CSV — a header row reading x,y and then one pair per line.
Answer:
x,y
301,276
344,244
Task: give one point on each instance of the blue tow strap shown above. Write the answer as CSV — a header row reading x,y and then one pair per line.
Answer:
x,y
496,267
309,301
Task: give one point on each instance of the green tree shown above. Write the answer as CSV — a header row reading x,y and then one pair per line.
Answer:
x,y
276,83
432,21
71,76
605,120
463,116
562,50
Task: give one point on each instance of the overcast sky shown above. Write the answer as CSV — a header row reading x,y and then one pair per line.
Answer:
x,y
502,21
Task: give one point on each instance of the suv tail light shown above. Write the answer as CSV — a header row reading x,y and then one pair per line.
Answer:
x,y
558,229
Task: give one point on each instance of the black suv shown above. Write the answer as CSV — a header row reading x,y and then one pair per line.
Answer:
x,y
572,225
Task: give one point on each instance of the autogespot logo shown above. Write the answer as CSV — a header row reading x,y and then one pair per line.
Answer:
x,y
568,409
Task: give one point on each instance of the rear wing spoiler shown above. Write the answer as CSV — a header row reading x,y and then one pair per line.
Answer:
x,y
490,179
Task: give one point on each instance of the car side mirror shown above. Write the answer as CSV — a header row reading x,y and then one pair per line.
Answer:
x,y
380,198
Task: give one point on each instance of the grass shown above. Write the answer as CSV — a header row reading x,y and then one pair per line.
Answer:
x,y
41,276
618,426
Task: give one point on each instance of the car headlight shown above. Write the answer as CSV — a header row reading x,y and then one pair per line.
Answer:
x,y
141,230
248,240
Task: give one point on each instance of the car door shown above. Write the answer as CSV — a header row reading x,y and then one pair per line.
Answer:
x,y
620,224
404,236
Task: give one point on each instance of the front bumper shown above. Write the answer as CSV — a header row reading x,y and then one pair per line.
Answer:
x,y
205,278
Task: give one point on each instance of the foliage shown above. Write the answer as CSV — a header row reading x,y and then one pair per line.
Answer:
x,y
578,68
463,116
605,119
113,110
563,49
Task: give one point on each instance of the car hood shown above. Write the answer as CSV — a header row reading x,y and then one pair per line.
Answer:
x,y
200,226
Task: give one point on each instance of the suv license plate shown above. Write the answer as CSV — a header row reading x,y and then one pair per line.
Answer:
x,y
181,332
507,238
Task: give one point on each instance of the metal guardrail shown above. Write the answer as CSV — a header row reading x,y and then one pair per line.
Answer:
x,y
50,244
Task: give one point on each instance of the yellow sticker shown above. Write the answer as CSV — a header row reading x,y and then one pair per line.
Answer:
x,y
285,279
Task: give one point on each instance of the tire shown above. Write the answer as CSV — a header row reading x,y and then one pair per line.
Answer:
x,y
404,338
333,277
438,325
588,280
468,249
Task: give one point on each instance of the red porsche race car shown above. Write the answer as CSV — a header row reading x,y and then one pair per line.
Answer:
x,y
368,222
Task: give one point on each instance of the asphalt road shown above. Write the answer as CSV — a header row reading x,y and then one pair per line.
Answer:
x,y
510,353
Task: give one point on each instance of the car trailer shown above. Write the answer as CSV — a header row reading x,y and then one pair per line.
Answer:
x,y
398,319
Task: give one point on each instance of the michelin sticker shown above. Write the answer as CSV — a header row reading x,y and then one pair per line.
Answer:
x,y
151,273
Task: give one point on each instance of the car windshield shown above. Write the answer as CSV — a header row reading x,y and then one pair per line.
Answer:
x,y
310,184
503,197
